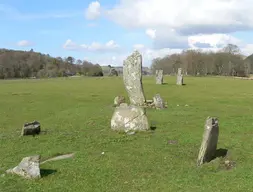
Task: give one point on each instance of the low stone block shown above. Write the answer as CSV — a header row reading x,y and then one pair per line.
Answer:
x,y
129,118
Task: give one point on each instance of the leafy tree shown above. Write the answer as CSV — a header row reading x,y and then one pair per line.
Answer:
x,y
26,64
228,61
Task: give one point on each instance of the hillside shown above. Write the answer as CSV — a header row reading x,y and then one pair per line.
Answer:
x,y
27,64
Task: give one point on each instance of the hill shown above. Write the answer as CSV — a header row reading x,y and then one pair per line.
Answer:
x,y
27,64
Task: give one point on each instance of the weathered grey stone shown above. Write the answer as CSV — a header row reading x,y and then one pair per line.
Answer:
x,y
209,143
113,72
28,168
132,76
32,128
118,100
123,105
129,118
158,102
180,78
159,77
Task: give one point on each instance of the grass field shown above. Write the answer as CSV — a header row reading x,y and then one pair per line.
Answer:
x,y
76,114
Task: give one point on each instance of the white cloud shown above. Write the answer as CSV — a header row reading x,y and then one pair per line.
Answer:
x,y
94,47
24,43
178,23
186,15
247,49
212,40
147,54
151,33
93,11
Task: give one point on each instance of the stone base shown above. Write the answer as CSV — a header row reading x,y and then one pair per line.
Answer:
x,y
129,118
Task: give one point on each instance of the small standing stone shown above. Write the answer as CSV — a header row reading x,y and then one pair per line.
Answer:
x,y
129,118
180,79
118,100
210,140
32,128
132,77
159,77
158,102
28,168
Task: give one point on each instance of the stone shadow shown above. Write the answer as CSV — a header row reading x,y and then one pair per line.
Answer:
x,y
220,153
153,126
46,172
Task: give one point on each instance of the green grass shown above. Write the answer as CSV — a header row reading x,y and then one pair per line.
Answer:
x,y
76,114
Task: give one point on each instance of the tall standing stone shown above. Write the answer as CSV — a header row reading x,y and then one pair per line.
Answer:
x,y
132,76
210,140
159,77
180,79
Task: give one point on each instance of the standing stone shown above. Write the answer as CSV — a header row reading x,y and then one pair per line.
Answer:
x,y
32,128
180,79
28,168
159,77
129,118
118,100
209,143
132,76
158,102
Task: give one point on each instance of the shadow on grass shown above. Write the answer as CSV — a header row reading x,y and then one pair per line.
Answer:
x,y
46,172
221,153
153,125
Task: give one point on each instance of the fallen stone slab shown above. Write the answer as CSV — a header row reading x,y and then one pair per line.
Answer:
x,y
59,157
28,168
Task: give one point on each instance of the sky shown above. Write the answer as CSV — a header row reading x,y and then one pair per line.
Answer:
x,y
107,31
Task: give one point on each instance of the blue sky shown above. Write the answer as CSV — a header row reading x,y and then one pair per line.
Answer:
x,y
106,31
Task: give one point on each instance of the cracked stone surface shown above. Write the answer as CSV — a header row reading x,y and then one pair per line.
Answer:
x,y
118,100
158,102
209,141
132,77
129,118
159,77
180,78
28,168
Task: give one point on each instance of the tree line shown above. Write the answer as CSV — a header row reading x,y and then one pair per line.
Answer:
x,y
30,64
226,62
